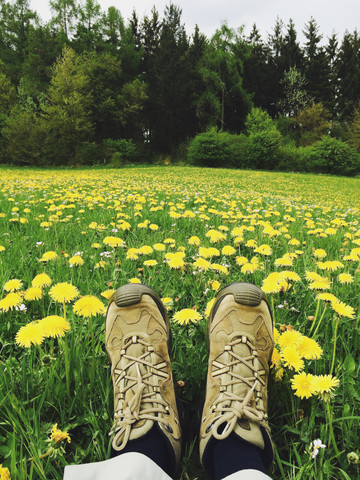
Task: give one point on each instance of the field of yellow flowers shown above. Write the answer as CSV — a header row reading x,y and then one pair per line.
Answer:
x,y
69,238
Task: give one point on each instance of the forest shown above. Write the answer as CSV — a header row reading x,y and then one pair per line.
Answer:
x,y
90,87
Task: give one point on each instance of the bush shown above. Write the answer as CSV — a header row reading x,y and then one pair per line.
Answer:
x,y
117,151
214,149
262,150
333,156
258,120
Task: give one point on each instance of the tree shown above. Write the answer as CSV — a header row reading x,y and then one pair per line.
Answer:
x,y
67,111
65,14
311,124
88,34
348,75
353,130
295,96
223,70
317,65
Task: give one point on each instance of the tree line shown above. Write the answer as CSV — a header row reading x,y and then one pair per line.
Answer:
x,y
89,86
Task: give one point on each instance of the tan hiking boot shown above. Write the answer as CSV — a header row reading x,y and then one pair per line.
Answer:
x,y
240,335
137,337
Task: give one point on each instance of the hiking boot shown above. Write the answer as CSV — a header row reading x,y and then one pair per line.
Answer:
x,y
137,340
240,336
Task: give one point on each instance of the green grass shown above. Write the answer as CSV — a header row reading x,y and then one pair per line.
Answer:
x,y
34,393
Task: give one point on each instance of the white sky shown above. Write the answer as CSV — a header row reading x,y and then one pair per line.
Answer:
x,y
208,14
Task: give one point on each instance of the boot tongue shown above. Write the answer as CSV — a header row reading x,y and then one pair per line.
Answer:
x,y
132,401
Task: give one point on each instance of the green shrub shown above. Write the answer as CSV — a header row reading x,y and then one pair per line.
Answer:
x,y
258,120
333,156
213,149
124,150
262,150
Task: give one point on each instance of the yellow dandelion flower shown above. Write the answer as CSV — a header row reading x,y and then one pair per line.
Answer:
x,y
58,436
219,268
96,245
209,306
33,293
272,283
345,278
294,241
292,359
241,261
324,385
330,265
113,242
41,280
290,338
2,248
176,262
48,256
159,247
327,297
342,309
276,358
187,315
54,326
132,254
63,292
202,264
285,261
279,374
309,348
150,263
11,301
320,253
276,335
323,284
32,333
215,285
215,236
228,250
145,250
312,276
168,302
107,293
169,241
303,384
13,285
264,249
4,472
89,306
76,261
289,275
249,268
194,240
134,280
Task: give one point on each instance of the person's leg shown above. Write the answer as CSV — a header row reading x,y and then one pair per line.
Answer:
x,y
234,433
137,336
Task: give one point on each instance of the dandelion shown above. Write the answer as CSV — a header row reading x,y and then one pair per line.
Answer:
x,y
302,383
57,436
2,248
228,250
134,280
345,278
194,240
290,338
276,358
4,472
320,253
108,293
323,284
327,297
113,241
63,292
209,307
215,285
76,261
324,385
54,326
12,300
32,333
132,254
168,302
241,261
159,247
292,359
33,293
150,263
342,309
249,268
49,256
215,236
89,306
187,315
13,285
202,264
41,280
264,249
219,268
145,250
309,348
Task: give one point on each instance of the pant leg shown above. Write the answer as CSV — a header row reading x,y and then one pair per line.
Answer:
x,y
247,475
128,466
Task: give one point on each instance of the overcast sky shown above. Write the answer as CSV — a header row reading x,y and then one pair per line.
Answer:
x,y
337,16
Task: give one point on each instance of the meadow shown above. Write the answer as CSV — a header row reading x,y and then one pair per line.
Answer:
x,y
68,238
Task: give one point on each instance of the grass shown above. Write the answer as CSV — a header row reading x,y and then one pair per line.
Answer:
x,y
66,381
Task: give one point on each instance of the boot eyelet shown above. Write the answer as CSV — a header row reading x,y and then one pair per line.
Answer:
x,y
208,428
168,428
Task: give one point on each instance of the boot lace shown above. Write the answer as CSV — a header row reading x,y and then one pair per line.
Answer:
x,y
143,392
230,412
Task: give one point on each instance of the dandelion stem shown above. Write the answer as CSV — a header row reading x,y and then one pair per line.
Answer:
x,y
334,349
319,323
44,455
272,308
331,431
92,370
66,356
316,314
